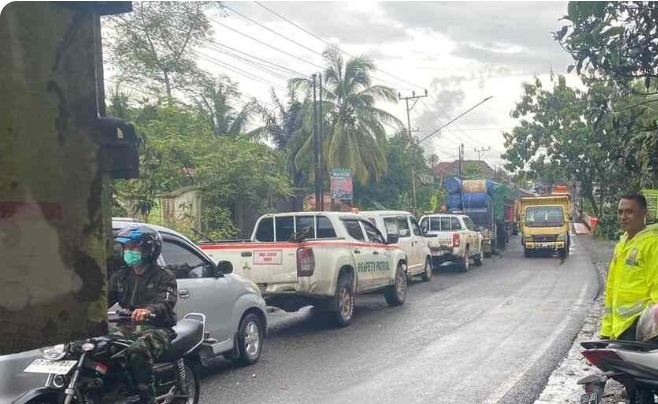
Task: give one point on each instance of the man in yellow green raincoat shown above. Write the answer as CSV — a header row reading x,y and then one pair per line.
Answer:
x,y
632,282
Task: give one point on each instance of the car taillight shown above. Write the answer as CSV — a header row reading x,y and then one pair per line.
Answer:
x,y
305,262
456,240
597,356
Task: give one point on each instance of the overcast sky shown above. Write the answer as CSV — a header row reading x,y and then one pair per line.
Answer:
x,y
461,52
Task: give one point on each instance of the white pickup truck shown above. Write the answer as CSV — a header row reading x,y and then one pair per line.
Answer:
x,y
320,259
410,239
458,239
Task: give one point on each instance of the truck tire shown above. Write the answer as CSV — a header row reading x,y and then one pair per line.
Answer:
x,y
465,263
477,260
343,301
564,252
526,252
396,294
427,275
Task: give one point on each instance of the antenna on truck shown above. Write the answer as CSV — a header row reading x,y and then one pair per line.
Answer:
x,y
203,235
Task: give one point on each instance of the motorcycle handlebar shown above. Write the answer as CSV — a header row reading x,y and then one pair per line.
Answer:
x,y
125,316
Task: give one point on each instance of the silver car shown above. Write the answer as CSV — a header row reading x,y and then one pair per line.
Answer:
x,y
236,321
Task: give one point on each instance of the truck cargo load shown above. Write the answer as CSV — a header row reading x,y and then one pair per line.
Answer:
x,y
489,204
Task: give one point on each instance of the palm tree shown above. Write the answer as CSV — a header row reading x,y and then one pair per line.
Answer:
x,y
216,99
353,133
282,124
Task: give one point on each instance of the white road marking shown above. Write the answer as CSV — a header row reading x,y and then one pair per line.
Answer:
x,y
497,395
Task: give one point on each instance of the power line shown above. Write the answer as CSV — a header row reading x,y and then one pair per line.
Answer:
x,y
481,129
237,70
330,44
256,65
219,44
266,44
293,41
274,32
467,139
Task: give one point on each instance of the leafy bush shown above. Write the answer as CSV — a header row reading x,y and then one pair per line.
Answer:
x,y
608,228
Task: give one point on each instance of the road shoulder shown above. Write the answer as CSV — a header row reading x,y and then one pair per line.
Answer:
x,y
562,385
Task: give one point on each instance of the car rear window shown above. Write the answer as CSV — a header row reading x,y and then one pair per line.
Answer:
x,y
286,226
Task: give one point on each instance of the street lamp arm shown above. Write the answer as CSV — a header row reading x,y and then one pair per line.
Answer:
x,y
457,117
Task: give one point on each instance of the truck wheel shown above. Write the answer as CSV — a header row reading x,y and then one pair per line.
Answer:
x,y
526,252
427,275
396,294
466,261
343,301
564,252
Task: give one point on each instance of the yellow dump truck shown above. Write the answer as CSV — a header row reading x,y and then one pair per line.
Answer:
x,y
545,224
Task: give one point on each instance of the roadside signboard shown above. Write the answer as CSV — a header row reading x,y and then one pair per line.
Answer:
x,y
341,184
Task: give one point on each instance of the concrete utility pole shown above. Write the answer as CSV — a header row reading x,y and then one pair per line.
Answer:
x,y
320,168
412,141
316,148
461,162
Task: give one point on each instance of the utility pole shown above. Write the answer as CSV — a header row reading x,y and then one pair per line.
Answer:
x,y
412,143
461,162
316,148
320,170
481,151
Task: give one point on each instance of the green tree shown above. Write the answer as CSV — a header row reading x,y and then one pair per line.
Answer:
x,y
153,47
354,134
472,171
393,191
616,38
283,126
181,149
218,99
565,133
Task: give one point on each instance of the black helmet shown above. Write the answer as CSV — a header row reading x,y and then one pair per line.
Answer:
x,y
148,238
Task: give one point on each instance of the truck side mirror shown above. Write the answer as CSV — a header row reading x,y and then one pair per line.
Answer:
x,y
120,147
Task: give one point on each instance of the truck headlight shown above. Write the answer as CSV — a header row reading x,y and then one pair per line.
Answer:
x,y
562,237
527,239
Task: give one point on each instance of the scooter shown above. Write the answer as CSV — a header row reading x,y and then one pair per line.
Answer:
x,y
631,363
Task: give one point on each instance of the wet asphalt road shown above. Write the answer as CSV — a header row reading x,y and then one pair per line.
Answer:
x,y
491,335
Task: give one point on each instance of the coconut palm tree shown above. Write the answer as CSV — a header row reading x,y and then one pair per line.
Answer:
x,y
217,100
353,128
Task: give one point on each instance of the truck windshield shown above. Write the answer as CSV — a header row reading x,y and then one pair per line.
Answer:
x,y
544,216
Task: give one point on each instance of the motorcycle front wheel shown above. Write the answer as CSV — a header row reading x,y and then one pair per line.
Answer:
x,y
192,386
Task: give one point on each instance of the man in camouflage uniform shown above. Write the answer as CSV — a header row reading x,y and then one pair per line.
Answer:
x,y
150,291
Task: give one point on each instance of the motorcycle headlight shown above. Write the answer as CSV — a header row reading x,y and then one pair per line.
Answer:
x,y
54,353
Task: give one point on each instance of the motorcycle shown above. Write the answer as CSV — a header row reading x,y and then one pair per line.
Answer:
x,y
633,364
93,371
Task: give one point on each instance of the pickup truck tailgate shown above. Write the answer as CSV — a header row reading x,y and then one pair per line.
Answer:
x,y
442,239
260,262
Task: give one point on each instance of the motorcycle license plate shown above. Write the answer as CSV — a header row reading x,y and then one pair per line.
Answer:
x,y
48,366
590,398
